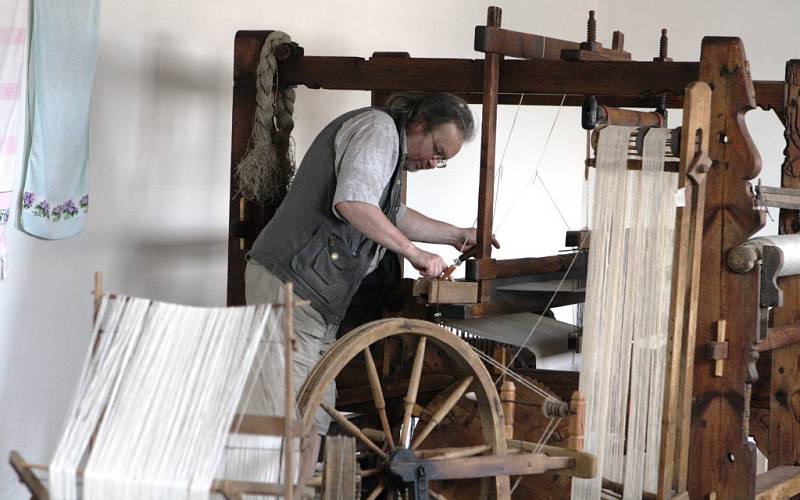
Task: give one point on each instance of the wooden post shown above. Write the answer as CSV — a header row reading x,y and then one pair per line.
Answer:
x,y
782,374
288,351
684,293
722,460
491,82
246,54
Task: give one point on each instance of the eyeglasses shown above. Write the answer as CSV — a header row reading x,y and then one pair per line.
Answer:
x,y
438,155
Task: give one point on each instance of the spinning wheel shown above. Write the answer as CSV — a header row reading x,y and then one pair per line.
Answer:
x,y
402,453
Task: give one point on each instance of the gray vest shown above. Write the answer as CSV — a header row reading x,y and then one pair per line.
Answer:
x,y
305,243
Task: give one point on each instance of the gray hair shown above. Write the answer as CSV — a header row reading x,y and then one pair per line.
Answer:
x,y
432,108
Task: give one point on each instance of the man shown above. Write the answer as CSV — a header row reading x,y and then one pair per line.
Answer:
x,y
343,211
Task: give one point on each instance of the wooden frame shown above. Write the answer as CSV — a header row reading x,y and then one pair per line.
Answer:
x,y
287,427
714,427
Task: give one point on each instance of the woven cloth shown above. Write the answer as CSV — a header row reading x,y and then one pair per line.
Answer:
x,y
64,40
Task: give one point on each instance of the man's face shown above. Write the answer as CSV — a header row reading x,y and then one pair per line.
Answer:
x,y
432,148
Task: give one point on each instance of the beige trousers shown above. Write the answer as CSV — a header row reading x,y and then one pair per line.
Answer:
x,y
313,335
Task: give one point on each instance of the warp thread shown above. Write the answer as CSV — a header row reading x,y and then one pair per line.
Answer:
x,y
158,396
626,313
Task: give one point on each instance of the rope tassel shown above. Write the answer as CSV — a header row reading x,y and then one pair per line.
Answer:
x,y
264,173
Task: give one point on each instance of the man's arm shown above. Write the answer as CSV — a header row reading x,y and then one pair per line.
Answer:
x,y
418,227
372,223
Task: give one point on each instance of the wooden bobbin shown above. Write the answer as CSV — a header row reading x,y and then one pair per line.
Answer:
x,y
508,397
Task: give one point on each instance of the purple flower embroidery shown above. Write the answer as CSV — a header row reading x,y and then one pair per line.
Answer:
x,y
68,209
55,214
3,217
27,199
42,209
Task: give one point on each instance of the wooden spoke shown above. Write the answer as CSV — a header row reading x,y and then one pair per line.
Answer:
x,y
316,479
377,491
445,453
413,388
436,496
368,472
377,396
442,411
353,430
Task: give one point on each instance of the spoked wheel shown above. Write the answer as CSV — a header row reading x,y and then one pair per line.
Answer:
x,y
396,417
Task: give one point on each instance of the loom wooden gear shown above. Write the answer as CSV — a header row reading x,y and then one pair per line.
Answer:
x,y
706,413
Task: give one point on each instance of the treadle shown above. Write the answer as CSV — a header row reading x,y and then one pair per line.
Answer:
x,y
550,338
778,483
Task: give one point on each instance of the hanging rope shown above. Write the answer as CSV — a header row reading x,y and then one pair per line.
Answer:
x,y
266,170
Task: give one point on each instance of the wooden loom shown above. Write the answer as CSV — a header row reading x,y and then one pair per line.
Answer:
x,y
722,355
721,463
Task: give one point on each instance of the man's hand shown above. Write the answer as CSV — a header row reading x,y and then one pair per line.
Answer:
x,y
468,238
428,264
372,223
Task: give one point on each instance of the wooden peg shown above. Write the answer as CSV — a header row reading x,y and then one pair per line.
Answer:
x,y
499,355
575,422
719,360
98,292
242,218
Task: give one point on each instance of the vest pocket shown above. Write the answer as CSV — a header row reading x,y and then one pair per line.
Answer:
x,y
334,261
326,263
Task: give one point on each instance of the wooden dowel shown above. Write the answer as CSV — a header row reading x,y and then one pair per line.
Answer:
x,y
377,491
719,364
413,388
98,293
288,350
353,430
629,117
442,411
317,479
24,471
377,396
445,453
242,218
436,496
223,486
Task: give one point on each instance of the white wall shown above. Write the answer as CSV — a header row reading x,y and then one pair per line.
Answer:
x,y
157,225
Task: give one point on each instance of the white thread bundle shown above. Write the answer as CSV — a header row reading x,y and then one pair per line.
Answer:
x,y
166,380
250,457
626,313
